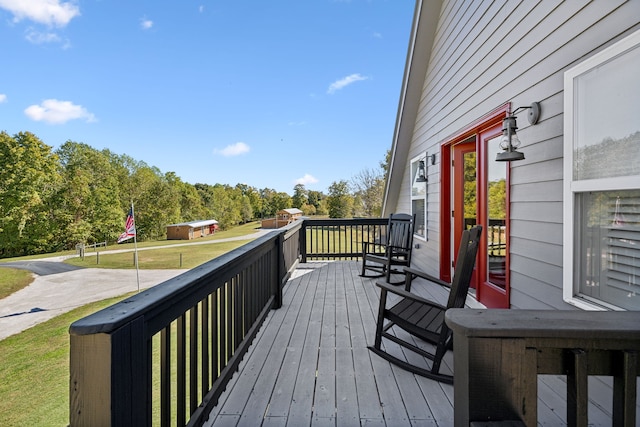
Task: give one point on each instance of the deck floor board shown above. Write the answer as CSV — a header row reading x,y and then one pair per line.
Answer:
x,y
309,364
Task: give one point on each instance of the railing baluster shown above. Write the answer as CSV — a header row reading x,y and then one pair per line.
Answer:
x,y
237,310
577,388
204,346
193,359
215,335
181,386
165,377
224,327
230,325
625,390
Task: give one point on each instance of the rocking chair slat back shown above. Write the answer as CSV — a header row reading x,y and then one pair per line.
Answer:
x,y
397,244
462,274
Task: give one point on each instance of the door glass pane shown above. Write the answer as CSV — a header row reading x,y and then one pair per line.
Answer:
x,y
497,215
609,247
470,202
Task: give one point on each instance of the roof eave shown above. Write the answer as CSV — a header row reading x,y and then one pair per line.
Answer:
x,y
423,32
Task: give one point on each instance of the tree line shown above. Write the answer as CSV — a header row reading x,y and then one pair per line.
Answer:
x,y
51,200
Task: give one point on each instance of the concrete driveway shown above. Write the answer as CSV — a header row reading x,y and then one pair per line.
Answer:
x,y
59,287
53,294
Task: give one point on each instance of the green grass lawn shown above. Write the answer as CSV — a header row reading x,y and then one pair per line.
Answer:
x,y
34,371
164,258
12,280
34,364
168,256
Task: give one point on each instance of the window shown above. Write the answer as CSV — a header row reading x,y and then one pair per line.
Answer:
x,y
419,196
602,179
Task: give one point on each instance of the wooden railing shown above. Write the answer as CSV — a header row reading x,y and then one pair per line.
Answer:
x,y
165,355
499,354
339,238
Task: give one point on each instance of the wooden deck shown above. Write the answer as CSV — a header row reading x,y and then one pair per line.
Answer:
x,y
309,365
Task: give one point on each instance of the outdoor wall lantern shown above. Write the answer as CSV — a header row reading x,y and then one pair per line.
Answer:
x,y
422,172
510,141
422,169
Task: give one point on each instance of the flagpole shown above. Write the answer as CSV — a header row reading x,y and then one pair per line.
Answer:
x,y
135,246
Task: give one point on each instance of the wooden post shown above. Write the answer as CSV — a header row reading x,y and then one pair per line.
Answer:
x,y
281,271
90,380
303,241
109,377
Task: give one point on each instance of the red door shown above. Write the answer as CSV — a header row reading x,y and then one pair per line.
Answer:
x,y
475,190
493,214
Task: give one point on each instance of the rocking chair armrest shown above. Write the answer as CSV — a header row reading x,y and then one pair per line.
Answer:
x,y
365,246
406,294
412,271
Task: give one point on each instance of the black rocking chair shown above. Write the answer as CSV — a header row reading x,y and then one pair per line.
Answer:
x,y
423,318
394,249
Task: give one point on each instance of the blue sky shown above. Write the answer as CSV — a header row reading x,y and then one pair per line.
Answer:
x,y
265,93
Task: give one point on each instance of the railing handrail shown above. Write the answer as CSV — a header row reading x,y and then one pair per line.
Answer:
x,y
167,297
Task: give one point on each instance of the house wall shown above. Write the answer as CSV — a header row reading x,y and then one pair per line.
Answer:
x,y
178,233
488,53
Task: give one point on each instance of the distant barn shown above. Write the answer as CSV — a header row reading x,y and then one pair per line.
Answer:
x,y
191,230
283,217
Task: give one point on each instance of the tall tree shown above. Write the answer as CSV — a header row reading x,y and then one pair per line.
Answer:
x,y
28,180
318,201
88,203
157,202
340,201
300,196
368,187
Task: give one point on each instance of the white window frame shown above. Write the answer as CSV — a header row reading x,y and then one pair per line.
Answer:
x,y
571,187
419,195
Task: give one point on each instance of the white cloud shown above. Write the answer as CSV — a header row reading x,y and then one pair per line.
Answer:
x,y
3,98
49,12
345,81
233,150
201,8
36,37
376,35
57,112
146,24
306,179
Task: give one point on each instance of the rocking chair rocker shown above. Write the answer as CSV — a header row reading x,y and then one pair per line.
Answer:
x,y
423,318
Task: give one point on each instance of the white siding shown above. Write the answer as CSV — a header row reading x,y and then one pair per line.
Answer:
x,y
487,53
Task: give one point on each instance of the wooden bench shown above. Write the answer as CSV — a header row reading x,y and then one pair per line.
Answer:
x,y
499,354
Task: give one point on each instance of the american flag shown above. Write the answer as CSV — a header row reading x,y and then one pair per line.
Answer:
x,y
129,227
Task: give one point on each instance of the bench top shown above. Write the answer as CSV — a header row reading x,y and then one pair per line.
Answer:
x,y
575,324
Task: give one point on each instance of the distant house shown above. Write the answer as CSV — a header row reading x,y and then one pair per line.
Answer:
x,y
191,230
283,217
